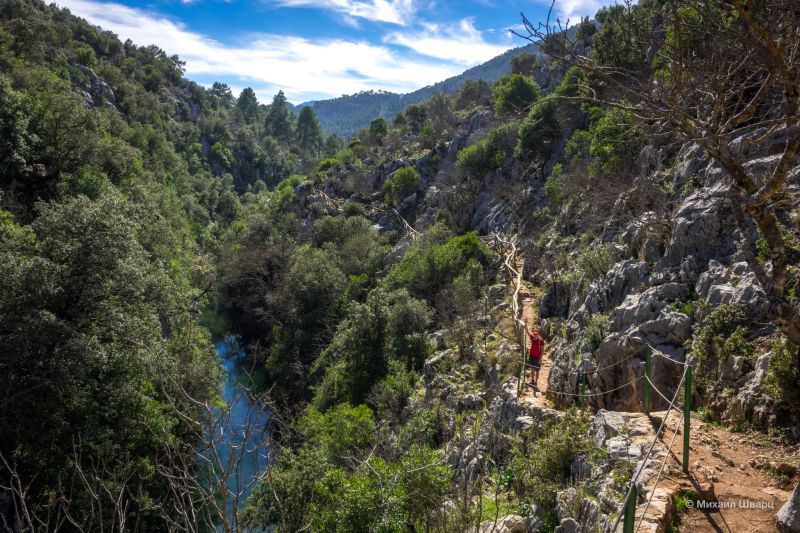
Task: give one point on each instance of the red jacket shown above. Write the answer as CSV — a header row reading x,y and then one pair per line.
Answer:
x,y
537,345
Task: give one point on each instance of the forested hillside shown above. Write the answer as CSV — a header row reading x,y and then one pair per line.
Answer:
x,y
345,115
632,194
118,178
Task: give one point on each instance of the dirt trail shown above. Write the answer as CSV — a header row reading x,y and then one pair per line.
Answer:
x,y
738,466
730,468
529,304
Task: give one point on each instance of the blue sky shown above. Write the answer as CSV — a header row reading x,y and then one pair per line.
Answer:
x,y
314,49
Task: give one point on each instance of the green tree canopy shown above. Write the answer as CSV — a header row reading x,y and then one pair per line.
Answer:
x,y
247,103
278,123
514,93
526,64
378,129
308,132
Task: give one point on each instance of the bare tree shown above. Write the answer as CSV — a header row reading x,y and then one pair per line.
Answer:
x,y
211,473
724,74
208,474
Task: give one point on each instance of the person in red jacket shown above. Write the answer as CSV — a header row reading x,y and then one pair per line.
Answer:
x,y
535,355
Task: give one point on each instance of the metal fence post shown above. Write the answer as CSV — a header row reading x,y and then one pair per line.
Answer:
x,y
582,389
629,510
687,421
648,353
521,372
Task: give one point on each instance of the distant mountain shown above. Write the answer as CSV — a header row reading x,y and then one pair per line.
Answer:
x,y
345,115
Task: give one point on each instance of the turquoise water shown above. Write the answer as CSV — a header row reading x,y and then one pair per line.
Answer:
x,y
242,438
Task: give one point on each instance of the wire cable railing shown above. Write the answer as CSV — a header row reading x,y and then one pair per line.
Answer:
x,y
508,250
660,471
632,485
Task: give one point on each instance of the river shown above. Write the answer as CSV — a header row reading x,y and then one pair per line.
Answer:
x,y
242,438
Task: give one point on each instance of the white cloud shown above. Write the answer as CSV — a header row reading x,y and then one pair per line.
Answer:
x,y
393,11
462,43
575,9
305,69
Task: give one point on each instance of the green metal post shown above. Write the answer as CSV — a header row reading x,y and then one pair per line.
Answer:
x,y
687,421
647,372
582,379
521,371
630,511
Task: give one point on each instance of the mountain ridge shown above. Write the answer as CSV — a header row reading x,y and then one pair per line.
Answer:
x,y
346,114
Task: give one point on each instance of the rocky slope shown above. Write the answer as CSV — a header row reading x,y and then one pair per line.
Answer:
x,y
675,262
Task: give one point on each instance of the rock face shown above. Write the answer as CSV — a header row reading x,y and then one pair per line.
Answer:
x,y
732,285
508,524
788,518
704,228
100,91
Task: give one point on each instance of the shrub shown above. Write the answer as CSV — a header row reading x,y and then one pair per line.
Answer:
x,y
541,466
614,139
489,153
596,330
390,396
285,498
428,136
389,326
378,129
341,432
586,29
721,335
427,269
415,115
223,155
329,163
570,84
473,92
85,56
514,93
553,188
425,427
526,64
402,183
577,146
594,262
382,496
783,376
354,209
538,133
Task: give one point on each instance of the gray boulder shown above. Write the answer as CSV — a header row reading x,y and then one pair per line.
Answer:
x,y
101,89
748,403
508,524
458,142
704,228
555,302
478,120
668,328
639,308
568,525
736,284
605,425
788,518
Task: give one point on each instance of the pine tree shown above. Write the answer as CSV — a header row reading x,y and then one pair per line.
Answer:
x,y
248,104
309,134
279,119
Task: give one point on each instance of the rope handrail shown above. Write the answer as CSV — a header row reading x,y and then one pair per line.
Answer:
x,y
653,385
639,470
660,471
612,365
593,394
664,356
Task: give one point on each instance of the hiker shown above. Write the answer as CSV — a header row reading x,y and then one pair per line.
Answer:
x,y
535,355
